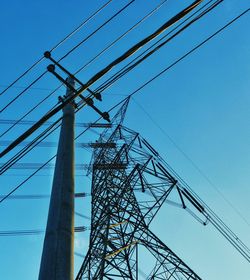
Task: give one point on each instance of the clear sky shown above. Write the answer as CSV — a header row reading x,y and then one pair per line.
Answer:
x,y
196,116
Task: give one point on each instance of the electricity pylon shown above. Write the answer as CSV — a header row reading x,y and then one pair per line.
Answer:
x,y
129,186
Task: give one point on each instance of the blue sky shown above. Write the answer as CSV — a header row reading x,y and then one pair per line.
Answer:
x,y
201,104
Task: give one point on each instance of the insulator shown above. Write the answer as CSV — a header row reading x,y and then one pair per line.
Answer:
x,y
98,96
51,68
47,54
105,116
89,101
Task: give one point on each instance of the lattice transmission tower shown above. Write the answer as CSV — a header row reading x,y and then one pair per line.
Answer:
x,y
129,185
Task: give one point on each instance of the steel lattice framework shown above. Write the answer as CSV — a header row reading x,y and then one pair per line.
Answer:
x,y
129,186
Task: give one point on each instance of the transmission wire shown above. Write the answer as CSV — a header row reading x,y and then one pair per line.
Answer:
x,y
144,85
107,83
30,146
192,162
57,45
91,34
101,73
31,110
121,36
129,66
85,39
217,32
88,63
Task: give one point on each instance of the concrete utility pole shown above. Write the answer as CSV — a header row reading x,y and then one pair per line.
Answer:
x,y
57,261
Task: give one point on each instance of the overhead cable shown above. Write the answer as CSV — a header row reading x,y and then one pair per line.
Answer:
x,y
75,47
156,46
121,36
101,73
137,90
96,30
33,231
57,45
30,146
44,99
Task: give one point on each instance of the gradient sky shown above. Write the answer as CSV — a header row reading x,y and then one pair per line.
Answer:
x,y
196,115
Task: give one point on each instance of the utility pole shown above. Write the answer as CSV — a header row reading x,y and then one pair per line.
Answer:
x,y
57,261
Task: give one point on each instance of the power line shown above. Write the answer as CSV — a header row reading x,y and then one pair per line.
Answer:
x,y
57,45
190,52
143,42
30,122
35,165
30,146
52,158
121,36
96,30
33,231
22,92
37,175
27,113
217,221
134,62
44,99
39,196
38,141
81,25
130,65
26,180
47,162
101,73
140,88
74,48
23,87
115,41
49,144
104,50
158,47
193,163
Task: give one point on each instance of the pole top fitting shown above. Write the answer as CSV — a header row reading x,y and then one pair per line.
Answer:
x,y
105,116
51,68
70,80
47,54
98,96
89,101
